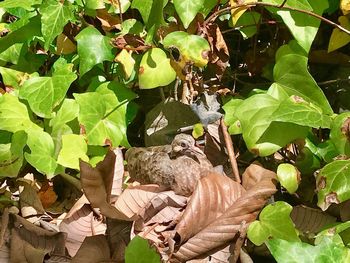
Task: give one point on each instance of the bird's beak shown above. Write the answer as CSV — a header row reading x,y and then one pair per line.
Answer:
x,y
197,150
177,148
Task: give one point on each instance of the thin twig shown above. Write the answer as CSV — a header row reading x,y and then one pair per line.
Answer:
x,y
230,150
281,5
247,5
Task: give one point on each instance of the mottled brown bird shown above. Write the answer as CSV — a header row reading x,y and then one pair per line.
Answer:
x,y
178,166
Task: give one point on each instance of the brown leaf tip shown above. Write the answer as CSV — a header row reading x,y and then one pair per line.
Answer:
x,y
332,198
345,128
321,183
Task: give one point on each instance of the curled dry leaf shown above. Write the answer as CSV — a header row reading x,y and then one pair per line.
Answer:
x,y
217,209
80,224
97,185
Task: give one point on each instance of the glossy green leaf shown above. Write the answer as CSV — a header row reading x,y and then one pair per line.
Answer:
x,y
193,49
155,69
274,219
187,10
11,155
291,74
13,78
333,183
288,176
299,252
340,133
26,4
139,251
103,114
230,107
45,93
261,114
68,111
247,24
144,7
198,130
303,26
14,115
94,4
23,35
74,147
54,16
93,48
12,54
42,152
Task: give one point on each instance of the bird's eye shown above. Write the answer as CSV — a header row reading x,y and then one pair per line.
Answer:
x,y
183,145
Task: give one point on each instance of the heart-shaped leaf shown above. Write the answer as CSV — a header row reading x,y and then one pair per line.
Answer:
x,y
74,147
188,9
193,49
155,70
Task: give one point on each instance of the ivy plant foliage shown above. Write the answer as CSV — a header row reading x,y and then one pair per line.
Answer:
x,y
294,103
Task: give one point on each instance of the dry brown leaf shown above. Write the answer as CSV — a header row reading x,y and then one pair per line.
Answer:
x,y
146,201
47,195
118,174
310,220
118,235
29,201
79,225
64,45
97,185
4,254
94,249
217,210
219,54
30,243
108,21
213,195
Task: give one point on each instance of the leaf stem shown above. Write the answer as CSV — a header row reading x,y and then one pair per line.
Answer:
x,y
213,16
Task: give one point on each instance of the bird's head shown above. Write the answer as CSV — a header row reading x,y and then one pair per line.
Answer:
x,y
184,144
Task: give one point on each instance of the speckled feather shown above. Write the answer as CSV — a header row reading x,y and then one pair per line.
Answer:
x,y
179,171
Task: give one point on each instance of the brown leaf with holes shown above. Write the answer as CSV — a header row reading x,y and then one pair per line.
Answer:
x,y
80,224
217,209
97,185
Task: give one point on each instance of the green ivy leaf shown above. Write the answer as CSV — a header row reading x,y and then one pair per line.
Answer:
x,y
12,54
291,74
340,133
26,4
302,26
45,93
193,49
68,111
42,151
333,183
249,22
94,4
104,114
230,107
74,147
288,176
24,34
274,221
93,48
14,115
259,122
299,252
155,70
13,78
11,155
187,10
54,16
139,251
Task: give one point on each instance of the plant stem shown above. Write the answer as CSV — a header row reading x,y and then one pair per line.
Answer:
x,y
286,7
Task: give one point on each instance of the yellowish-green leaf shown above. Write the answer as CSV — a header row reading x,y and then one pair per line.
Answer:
x,y
339,38
74,147
127,62
237,12
345,6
